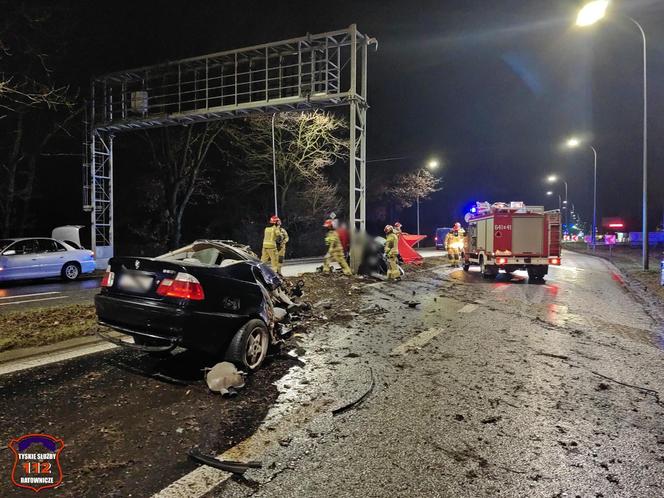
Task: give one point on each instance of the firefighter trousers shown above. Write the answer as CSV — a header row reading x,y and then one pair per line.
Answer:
x,y
281,256
393,268
270,255
338,256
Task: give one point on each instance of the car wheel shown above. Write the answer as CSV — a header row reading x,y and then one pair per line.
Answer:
x,y
71,271
249,345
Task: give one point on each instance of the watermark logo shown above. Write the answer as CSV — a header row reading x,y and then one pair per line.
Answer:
x,y
36,461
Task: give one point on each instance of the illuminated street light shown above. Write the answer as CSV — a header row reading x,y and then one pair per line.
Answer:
x,y
592,12
554,179
433,163
573,143
549,193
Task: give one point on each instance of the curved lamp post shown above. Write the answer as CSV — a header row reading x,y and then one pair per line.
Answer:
x,y
573,143
587,16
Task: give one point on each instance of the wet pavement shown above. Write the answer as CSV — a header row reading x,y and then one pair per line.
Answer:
x,y
512,389
484,388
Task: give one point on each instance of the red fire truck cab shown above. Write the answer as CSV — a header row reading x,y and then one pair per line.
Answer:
x,y
512,237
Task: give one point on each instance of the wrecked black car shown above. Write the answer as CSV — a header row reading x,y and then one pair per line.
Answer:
x,y
215,297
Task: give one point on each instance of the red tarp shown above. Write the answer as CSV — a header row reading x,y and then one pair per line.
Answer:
x,y
406,251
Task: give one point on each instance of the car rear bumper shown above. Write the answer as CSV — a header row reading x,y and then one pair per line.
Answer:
x,y
88,266
154,321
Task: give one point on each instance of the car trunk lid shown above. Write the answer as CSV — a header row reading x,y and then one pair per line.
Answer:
x,y
141,276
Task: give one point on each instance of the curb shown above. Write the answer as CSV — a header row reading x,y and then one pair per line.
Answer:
x,y
58,347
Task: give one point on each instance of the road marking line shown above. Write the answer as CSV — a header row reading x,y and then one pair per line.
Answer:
x,y
47,359
34,300
468,308
418,341
30,295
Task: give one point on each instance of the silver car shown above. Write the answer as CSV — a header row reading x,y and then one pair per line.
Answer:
x,y
28,258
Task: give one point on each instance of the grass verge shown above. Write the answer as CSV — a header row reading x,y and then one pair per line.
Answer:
x,y
42,326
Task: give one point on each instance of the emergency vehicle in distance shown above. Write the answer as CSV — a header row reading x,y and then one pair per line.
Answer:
x,y
512,237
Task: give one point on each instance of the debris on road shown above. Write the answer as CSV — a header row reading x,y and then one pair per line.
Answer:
x,y
225,465
223,377
358,401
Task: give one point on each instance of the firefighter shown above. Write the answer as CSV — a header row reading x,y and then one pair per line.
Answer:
x,y
397,229
271,239
335,251
454,243
392,253
281,246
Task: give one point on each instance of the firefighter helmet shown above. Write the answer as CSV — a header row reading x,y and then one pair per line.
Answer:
x,y
397,225
457,226
328,224
274,220
389,228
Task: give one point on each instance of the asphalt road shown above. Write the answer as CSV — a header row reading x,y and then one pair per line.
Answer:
x,y
23,295
484,388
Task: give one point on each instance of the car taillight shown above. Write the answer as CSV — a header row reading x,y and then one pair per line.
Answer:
x,y
501,261
554,261
109,278
183,286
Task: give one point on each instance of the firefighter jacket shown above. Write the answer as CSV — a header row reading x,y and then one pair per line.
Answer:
x,y
333,242
272,237
455,239
284,239
392,245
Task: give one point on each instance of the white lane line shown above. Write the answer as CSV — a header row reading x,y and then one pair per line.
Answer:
x,y
18,365
30,295
33,300
418,341
468,308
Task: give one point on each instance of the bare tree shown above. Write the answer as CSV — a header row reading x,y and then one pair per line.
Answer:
x,y
306,145
34,108
180,156
408,187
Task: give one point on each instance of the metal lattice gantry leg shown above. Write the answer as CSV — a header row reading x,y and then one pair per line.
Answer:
x,y
358,144
101,191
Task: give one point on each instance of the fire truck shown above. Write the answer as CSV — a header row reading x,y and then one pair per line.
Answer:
x,y
512,237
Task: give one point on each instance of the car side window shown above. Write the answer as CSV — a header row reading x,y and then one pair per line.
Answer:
x,y
28,246
46,245
59,247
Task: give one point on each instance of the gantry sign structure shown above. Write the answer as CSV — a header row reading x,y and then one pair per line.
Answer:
x,y
314,71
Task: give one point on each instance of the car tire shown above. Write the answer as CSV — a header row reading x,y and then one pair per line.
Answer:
x,y
71,271
249,345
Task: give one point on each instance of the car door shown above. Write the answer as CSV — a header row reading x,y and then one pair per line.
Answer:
x,y
22,261
51,257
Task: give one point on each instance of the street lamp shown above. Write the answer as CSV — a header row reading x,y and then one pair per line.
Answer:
x,y
554,179
274,167
588,15
560,200
431,165
573,143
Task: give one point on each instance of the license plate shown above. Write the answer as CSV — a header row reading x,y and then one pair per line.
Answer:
x,y
135,283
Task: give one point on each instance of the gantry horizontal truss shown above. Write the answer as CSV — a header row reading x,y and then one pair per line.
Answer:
x,y
313,71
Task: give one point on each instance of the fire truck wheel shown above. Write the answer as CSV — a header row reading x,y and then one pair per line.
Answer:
x,y
484,271
535,274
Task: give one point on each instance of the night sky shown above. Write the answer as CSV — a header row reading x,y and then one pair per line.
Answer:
x,y
492,87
